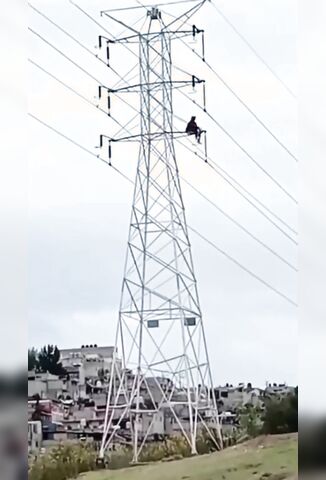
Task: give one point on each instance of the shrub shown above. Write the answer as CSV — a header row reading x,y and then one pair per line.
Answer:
x,y
120,458
63,462
250,421
281,415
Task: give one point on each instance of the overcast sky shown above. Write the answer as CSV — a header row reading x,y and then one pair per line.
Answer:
x,y
79,208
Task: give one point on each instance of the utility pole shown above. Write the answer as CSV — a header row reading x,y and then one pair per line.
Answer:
x,y
160,367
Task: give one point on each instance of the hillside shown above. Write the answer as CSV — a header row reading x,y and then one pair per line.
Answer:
x,y
265,458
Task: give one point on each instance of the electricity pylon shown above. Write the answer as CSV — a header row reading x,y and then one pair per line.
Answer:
x,y
161,364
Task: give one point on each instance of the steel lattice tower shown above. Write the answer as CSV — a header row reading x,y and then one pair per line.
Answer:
x,y
161,363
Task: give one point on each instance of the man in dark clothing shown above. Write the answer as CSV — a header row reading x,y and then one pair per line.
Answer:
x,y
193,129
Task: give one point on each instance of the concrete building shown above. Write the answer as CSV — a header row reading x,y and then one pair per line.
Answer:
x,y
278,390
45,385
75,356
35,436
230,398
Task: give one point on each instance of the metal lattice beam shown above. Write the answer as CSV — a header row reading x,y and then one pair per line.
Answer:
x,y
160,333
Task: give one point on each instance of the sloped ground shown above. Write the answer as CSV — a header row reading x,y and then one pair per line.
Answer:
x,y
264,458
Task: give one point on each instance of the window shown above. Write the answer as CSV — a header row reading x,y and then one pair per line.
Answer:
x,y
190,321
224,394
152,324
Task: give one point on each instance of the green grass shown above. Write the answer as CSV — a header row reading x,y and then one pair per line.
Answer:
x,y
265,458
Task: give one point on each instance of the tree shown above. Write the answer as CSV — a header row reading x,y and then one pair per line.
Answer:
x,y
49,360
32,359
281,415
250,420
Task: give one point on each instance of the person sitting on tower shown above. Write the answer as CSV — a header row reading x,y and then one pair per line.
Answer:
x,y
193,129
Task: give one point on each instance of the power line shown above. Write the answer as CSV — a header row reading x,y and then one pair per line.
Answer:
x,y
277,217
254,51
215,121
123,127
236,142
67,138
77,93
124,45
233,260
90,17
80,43
224,175
266,216
77,65
243,103
64,84
229,217
65,56
96,22
276,182
65,32
229,257
146,6
86,72
70,88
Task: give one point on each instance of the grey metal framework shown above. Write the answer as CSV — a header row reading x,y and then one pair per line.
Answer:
x,y
160,331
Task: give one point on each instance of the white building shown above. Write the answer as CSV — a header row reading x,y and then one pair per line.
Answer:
x,y
279,390
45,385
75,356
230,398
34,436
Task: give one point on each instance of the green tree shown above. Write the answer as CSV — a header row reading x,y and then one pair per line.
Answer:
x,y
281,415
250,420
49,360
32,359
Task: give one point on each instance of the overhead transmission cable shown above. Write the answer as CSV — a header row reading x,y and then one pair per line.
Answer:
x,y
238,224
229,179
214,120
254,51
276,216
223,129
98,82
64,55
122,127
123,79
233,139
250,272
243,103
121,99
229,257
156,4
81,44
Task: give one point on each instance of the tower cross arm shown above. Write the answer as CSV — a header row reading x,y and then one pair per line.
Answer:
x,y
148,35
193,81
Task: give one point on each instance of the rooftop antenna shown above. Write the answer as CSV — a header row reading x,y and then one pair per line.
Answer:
x,y
160,331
